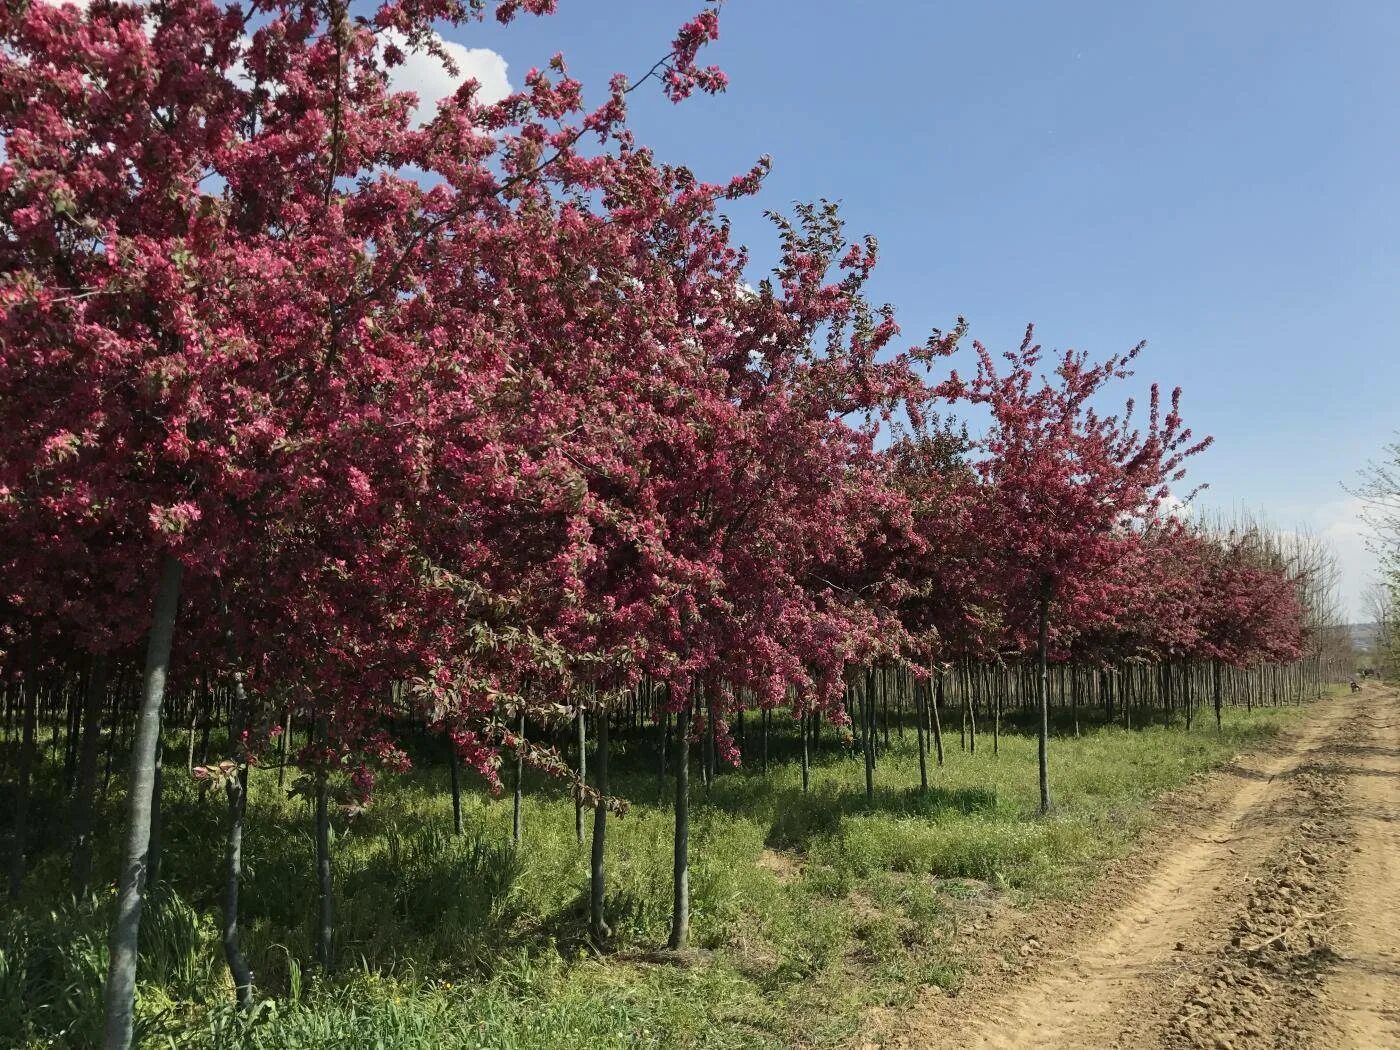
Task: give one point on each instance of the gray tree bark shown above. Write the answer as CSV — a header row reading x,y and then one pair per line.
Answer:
x,y
581,729
119,993
597,883
680,903
236,794
1043,738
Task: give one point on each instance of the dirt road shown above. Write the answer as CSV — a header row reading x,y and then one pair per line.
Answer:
x,y
1264,913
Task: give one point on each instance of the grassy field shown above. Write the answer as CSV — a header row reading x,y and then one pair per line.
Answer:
x,y
809,909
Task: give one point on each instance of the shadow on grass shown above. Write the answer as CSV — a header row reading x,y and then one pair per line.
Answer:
x,y
801,818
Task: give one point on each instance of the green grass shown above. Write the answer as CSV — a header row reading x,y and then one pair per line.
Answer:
x,y
808,909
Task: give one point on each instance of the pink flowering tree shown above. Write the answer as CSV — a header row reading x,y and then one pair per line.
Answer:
x,y
1063,488
242,356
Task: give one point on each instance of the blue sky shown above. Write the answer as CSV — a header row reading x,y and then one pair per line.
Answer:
x,y
1216,178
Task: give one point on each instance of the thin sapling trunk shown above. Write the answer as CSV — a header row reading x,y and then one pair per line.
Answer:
x,y
680,904
1043,738
119,993
596,882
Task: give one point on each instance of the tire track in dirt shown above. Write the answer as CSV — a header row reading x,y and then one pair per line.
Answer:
x,y
1169,957
1262,989
1361,997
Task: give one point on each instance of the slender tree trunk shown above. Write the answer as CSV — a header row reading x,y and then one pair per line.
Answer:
x,y
284,747
937,722
194,724
970,713
885,708
207,722
1185,685
868,714
325,891
665,746
155,851
19,836
519,799
581,730
962,736
85,796
996,723
806,757
596,883
119,993
1074,697
680,905
72,730
1125,693
236,794
1043,740
921,719
1215,689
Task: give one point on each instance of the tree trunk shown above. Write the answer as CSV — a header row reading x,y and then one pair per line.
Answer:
x,y
85,796
664,733
962,736
937,697
19,837
284,748
868,716
73,730
680,905
519,798
970,714
204,729
596,884
885,710
767,719
325,926
194,720
1043,739
1074,697
920,719
806,757
119,993
154,849
581,729
996,722
1215,675
236,793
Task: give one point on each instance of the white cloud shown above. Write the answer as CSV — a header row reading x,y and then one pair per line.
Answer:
x,y
1177,507
1341,525
421,73
1338,524
425,76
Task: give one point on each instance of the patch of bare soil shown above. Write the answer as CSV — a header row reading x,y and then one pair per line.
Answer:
x,y
1262,911
1360,1001
783,865
1262,988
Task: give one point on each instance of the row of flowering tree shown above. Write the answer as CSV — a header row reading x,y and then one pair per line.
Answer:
x,y
349,412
